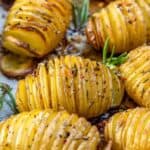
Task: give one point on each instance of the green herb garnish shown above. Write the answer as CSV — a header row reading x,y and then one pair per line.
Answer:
x,y
112,61
81,12
7,97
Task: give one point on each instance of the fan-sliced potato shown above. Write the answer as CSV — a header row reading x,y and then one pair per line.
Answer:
x,y
78,85
34,28
145,7
136,74
122,22
16,66
129,130
48,130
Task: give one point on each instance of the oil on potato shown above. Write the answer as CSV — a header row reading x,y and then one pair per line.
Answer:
x,y
122,22
136,74
129,130
48,130
34,28
78,85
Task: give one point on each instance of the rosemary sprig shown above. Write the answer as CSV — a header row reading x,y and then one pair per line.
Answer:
x,y
112,61
81,12
5,91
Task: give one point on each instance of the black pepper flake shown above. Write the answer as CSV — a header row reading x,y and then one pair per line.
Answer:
x,y
60,136
142,93
75,71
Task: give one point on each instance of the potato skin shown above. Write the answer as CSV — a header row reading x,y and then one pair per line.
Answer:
x,y
129,130
136,74
78,85
34,28
122,22
48,130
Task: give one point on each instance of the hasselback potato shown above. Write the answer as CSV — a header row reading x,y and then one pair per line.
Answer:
x,y
129,130
78,85
48,130
145,6
34,28
122,22
136,75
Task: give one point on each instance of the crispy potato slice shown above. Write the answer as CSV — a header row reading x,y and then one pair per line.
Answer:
x,y
15,66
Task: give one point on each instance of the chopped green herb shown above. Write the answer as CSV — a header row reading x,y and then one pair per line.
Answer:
x,y
5,91
112,61
81,12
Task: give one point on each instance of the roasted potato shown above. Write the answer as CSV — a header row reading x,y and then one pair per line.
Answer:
x,y
48,130
145,6
129,130
16,66
136,75
34,28
96,5
122,22
78,85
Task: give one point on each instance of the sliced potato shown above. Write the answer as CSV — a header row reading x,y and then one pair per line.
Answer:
x,y
75,84
129,130
48,130
35,28
16,66
136,75
119,22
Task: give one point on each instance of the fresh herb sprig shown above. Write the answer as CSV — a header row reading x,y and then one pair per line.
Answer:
x,y
6,91
112,61
81,12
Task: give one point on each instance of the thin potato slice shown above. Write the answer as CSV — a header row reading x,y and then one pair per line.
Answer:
x,y
16,66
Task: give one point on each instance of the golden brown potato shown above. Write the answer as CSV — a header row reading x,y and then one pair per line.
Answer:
x,y
129,130
96,5
34,28
145,7
122,22
78,85
48,130
136,75
16,66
